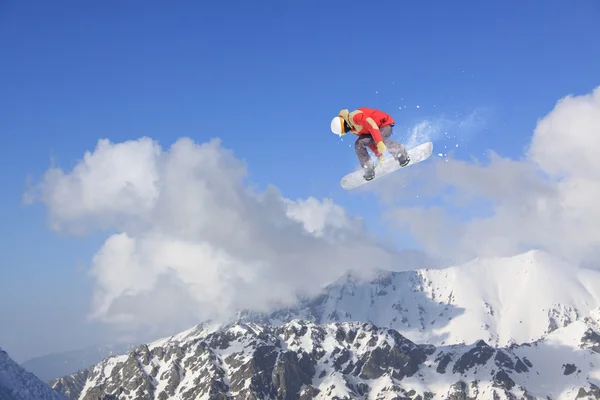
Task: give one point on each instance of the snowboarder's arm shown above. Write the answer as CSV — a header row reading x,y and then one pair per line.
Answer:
x,y
376,133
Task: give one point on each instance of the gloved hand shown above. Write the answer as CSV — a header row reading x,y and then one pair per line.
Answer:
x,y
381,147
381,158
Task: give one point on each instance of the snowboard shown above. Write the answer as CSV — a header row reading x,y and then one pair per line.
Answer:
x,y
417,154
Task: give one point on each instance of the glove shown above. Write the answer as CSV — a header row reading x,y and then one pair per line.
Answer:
x,y
381,147
381,158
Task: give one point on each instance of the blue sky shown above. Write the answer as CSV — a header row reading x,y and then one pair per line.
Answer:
x,y
266,78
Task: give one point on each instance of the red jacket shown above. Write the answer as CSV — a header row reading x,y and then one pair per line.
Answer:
x,y
364,121
368,121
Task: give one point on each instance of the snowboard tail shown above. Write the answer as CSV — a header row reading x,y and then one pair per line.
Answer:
x,y
417,154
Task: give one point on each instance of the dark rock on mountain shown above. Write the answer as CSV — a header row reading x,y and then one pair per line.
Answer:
x,y
303,360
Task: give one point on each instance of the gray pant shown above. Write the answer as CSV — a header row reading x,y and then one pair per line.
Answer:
x,y
360,146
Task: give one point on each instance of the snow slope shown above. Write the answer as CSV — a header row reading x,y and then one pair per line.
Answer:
x,y
18,384
502,301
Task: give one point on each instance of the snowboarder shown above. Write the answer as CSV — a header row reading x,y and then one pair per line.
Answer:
x,y
373,128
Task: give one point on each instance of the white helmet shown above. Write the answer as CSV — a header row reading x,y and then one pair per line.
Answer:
x,y
337,126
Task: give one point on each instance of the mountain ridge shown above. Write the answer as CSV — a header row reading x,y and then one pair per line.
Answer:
x,y
16,383
303,360
462,315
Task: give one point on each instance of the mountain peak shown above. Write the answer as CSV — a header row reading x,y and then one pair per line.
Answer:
x,y
503,300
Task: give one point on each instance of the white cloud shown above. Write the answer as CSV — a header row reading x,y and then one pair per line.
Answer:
x,y
189,240
104,188
549,199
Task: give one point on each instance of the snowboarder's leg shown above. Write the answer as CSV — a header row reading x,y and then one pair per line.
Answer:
x,y
360,146
395,149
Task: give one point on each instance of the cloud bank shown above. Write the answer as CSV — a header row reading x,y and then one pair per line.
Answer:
x,y
189,240
548,199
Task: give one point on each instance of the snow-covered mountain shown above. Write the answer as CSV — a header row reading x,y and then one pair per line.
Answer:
x,y
18,384
350,360
53,366
518,327
500,300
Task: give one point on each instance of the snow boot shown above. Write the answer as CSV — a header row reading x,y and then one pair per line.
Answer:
x,y
403,161
369,170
